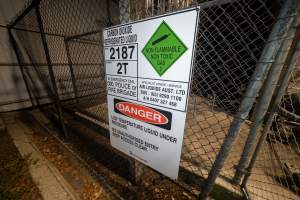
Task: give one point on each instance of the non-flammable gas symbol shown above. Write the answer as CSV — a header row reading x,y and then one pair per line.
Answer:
x,y
163,49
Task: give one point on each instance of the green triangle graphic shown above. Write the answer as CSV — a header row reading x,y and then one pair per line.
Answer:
x,y
163,49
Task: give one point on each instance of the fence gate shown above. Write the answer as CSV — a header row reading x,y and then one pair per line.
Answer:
x,y
242,129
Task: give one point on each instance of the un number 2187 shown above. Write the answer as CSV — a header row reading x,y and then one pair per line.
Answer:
x,y
121,52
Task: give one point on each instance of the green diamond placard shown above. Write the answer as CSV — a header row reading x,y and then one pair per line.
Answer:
x,y
163,49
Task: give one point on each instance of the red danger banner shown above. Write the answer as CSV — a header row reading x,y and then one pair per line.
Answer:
x,y
154,116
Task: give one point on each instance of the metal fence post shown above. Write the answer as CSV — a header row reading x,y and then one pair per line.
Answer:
x,y
124,6
266,59
292,63
71,69
11,25
267,93
15,48
50,68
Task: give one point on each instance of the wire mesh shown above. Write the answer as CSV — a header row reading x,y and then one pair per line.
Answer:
x,y
231,37
230,40
32,57
277,173
86,56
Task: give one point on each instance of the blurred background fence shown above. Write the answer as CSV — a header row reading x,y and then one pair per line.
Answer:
x,y
242,130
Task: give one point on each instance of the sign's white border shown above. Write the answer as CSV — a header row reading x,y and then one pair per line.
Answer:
x,y
170,171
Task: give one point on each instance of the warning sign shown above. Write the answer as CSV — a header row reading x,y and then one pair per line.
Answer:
x,y
148,71
154,116
163,48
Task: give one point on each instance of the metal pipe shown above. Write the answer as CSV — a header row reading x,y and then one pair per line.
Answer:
x,y
266,59
82,35
32,5
266,96
33,82
71,70
124,7
292,63
15,48
50,68
108,13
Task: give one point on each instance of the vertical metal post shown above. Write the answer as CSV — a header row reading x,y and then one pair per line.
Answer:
x,y
50,68
124,6
266,59
108,13
292,63
15,48
266,95
71,70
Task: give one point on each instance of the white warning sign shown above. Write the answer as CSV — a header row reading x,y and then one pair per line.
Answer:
x,y
148,72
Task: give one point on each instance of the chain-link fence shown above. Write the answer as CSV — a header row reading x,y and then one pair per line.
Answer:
x,y
273,170
239,43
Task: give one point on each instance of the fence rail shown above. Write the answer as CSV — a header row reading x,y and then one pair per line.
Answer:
x,y
242,128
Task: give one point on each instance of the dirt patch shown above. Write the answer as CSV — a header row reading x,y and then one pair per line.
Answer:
x,y
15,180
85,187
